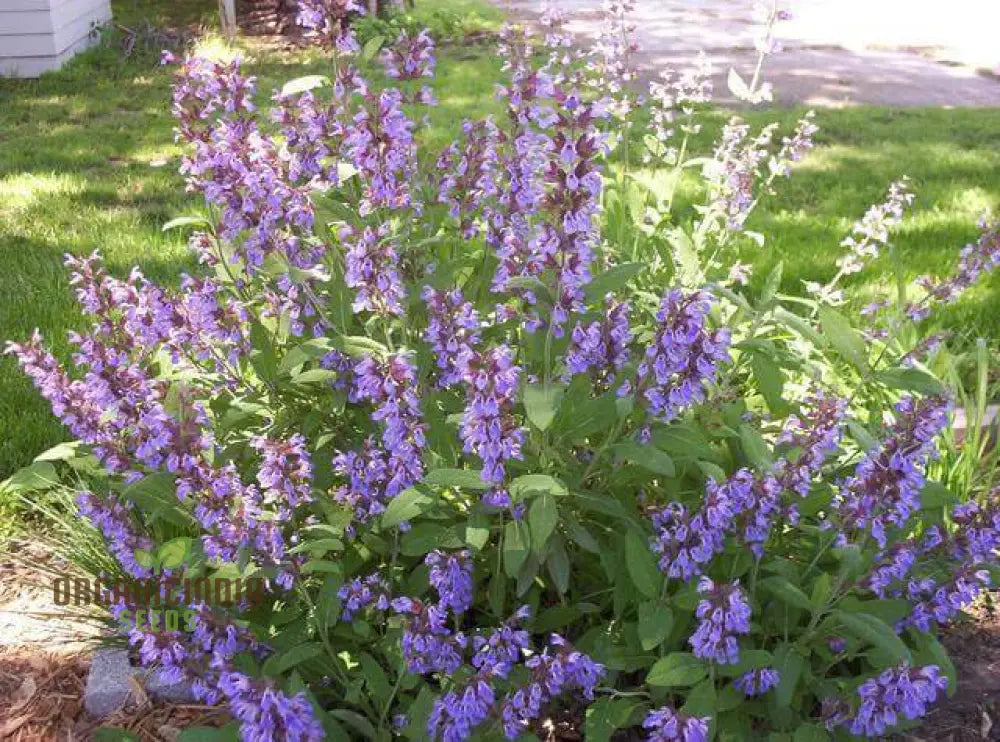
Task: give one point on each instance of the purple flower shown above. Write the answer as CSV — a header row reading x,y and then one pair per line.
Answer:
x,y
496,654
458,712
684,542
391,386
558,669
683,355
265,713
723,614
285,474
976,259
667,725
902,692
488,428
884,490
601,348
329,20
359,594
410,58
470,174
428,644
815,432
757,682
114,520
451,576
371,267
453,332
871,233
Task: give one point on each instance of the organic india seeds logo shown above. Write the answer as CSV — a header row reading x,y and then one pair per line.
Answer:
x,y
163,601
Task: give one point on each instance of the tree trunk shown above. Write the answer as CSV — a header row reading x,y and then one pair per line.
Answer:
x,y
227,18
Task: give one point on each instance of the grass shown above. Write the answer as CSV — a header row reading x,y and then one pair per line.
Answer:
x,y
87,162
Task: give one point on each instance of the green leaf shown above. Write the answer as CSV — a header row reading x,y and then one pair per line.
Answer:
x,y
469,479
929,651
935,495
185,221
772,283
770,381
606,716
40,475
319,545
577,421
557,563
356,721
477,531
173,553
406,506
755,448
687,262
375,678
843,337
677,670
641,564
790,665
648,457
423,538
542,518
282,662
371,48
539,484
113,734
541,403
875,632
228,733
786,592
811,733
701,700
581,536
910,379
515,547
655,623
304,83
611,280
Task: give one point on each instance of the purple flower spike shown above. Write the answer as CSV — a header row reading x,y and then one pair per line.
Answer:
x,y
667,725
723,614
451,576
757,682
902,692
683,356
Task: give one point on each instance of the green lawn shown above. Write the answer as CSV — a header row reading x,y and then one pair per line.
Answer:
x,y
87,162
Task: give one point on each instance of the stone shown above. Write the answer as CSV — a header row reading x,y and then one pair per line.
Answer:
x,y
108,682
165,690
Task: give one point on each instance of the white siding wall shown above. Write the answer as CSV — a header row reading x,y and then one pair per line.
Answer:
x,y
39,35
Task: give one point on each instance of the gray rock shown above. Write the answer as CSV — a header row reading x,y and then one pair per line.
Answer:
x,y
108,682
160,688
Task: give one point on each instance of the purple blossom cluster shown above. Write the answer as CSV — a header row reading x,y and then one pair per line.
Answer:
x,y
901,692
391,386
757,682
371,268
285,473
735,170
428,644
557,670
114,520
362,593
488,428
813,434
870,235
266,713
453,332
470,174
411,57
683,355
684,542
601,348
979,258
451,576
328,19
884,490
667,725
723,614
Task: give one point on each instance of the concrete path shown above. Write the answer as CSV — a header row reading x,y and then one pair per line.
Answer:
x,y
836,52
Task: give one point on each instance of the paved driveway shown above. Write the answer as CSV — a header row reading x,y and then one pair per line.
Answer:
x,y
837,52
